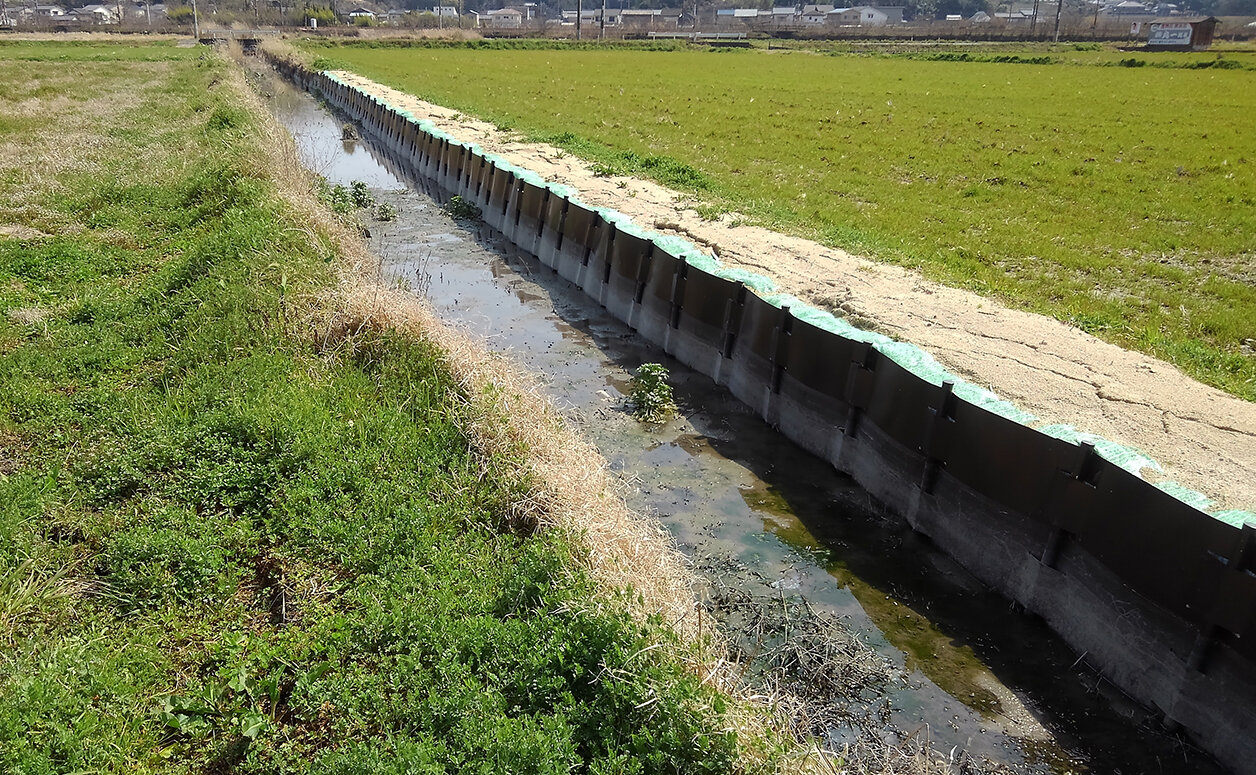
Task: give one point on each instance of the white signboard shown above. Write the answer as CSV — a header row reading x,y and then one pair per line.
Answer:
x,y
1136,27
1170,34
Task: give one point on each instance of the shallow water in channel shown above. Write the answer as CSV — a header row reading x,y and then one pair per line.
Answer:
x,y
750,509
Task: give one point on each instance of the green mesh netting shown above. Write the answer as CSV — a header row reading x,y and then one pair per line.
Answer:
x,y
1124,457
1235,517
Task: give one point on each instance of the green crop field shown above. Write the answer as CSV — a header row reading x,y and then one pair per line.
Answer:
x,y
1119,198
228,545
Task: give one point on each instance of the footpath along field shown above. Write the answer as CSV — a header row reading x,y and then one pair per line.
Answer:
x,y
236,538
1121,199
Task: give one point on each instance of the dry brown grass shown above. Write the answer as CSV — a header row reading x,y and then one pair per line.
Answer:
x,y
68,145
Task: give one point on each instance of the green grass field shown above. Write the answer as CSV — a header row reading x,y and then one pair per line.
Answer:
x,y
1119,198
225,548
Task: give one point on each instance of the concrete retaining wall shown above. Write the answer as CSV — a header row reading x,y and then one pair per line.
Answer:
x,y
1159,595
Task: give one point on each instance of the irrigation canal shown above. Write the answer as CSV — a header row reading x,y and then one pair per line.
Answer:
x,y
763,522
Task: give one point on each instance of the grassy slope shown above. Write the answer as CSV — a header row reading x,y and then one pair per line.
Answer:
x,y
224,550
1119,199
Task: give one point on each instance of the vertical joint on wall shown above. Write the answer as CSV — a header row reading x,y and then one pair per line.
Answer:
x,y
479,180
944,412
863,363
610,254
540,221
678,293
512,181
562,225
1085,469
488,185
1238,561
732,321
643,274
780,352
518,197
592,232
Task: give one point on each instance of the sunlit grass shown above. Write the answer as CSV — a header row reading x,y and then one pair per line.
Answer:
x,y
227,545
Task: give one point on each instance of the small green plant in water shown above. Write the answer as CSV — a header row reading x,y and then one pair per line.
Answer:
x,y
460,209
336,197
361,195
345,200
651,397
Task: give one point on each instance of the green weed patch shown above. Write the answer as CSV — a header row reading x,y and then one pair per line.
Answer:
x,y
229,546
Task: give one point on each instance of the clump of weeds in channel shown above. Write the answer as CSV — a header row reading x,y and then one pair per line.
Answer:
x,y
348,202
460,209
361,194
343,200
651,397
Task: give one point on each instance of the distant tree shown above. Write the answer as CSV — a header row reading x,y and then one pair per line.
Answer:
x,y
920,9
965,8
324,15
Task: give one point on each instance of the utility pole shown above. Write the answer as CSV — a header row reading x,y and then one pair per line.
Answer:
x,y
1059,6
579,13
601,33
196,23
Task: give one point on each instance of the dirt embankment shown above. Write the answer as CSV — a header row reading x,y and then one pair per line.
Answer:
x,y
1203,438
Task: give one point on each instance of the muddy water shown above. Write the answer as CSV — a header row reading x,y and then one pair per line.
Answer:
x,y
752,511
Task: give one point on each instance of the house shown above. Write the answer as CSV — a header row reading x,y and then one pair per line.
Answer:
x,y
361,13
594,17
504,19
1022,15
143,12
859,16
981,17
48,11
98,14
893,13
445,12
650,18
781,16
734,16
816,14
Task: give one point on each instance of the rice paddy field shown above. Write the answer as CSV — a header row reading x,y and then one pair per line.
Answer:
x,y
1112,190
